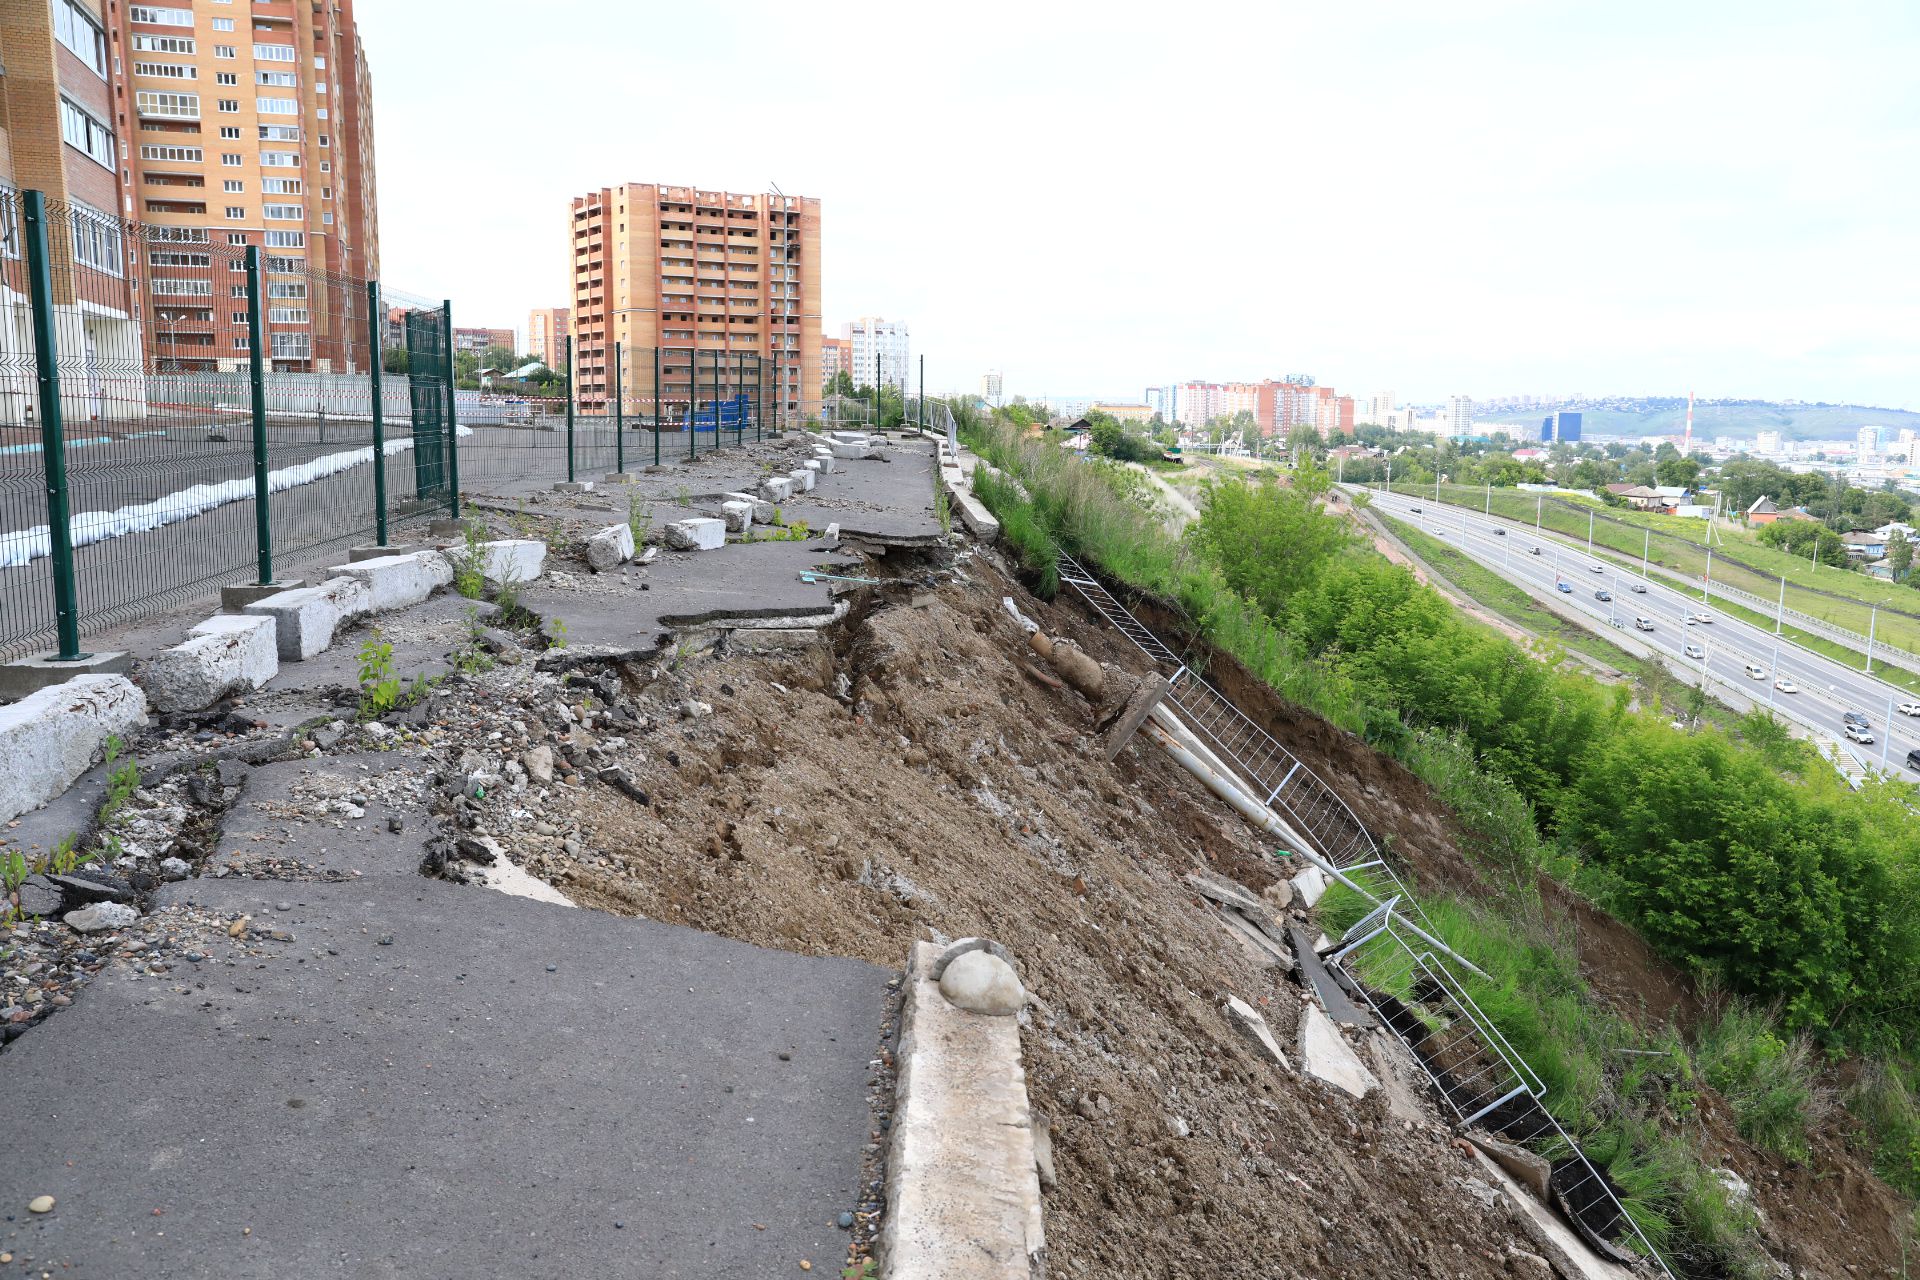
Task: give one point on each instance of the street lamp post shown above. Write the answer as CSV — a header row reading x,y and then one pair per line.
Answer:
x,y
1780,609
1646,545
1706,583
1589,532
1872,618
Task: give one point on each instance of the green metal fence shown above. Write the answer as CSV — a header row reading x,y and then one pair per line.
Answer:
x,y
184,408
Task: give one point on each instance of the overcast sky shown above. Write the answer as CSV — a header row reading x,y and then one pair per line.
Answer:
x,y
1476,196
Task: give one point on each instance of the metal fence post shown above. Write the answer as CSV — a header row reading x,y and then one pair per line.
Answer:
x,y
53,446
656,406
569,341
379,419
453,416
759,398
693,402
719,359
779,392
619,394
923,391
257,378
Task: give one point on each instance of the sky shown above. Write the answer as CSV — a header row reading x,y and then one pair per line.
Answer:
x,y
1482,197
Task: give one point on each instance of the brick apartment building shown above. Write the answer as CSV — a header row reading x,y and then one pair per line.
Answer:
x,y
478,340
58,135
681,268
546,326
1275,405
836,357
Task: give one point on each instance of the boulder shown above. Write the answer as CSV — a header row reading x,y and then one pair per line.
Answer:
x,y
981,982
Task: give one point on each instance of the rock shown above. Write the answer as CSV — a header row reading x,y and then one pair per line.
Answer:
x,y
1079,670
174,869
981,982
1251,1024
1529,1170
101,916
701,533
40,896
1042,1149
238,929
83,885
1310,884
610,548
40,1204
960,947
1279,895
1528,1266
538,763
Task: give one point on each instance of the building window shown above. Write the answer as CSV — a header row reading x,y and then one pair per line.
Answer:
x,y
163,44
169,258
326,166
96,242
238,290
279,159
87,134
291,346
279,133
273,52
280,186
286,240
284,289
223,24
181,235
176,106
240,343
159,17
226,77
288,315
180,288
288,266
237,237
277,79
234,185
285,213
321,112
75,28
325,141
183,155
9,225
230,105
240,317
231,159
236,212
319,64
225,51
277,106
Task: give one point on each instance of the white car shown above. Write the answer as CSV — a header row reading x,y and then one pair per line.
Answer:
x,y
1592,568
1695,651
1857,734
1785,685
1910,708
1703,617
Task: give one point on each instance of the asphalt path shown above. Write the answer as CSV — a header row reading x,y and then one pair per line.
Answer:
x,y
1723,647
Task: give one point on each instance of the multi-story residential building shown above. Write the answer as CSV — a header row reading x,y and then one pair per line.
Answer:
x,y
870,337
836,358
477,340
1767,442
546,326
1460,415
1165,402
251,125
990,387
1868,439
1561,425
1379,407
685,270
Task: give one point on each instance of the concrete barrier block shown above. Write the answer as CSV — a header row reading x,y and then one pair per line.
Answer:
x,y
51,737
610,548
828,464
848,437
813,465
702,533
762,509
851,452
394,582
225,655
776,488
305,619
802,479
736,515
512,560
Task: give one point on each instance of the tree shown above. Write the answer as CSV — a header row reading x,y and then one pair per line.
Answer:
x,y
841,385
1677,472
1899,554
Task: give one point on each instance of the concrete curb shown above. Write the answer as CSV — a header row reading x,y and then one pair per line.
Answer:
x,y
963,1188
50,738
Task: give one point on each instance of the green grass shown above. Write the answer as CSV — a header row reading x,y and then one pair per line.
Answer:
x,y
1838,596
1769,1079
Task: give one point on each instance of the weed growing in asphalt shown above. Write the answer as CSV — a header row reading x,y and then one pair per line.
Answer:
x,y
121,782
380,687
557,633
639,519
472,658
470,563
520,522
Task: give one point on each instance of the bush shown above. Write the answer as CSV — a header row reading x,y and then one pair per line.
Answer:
x,y
1768,1079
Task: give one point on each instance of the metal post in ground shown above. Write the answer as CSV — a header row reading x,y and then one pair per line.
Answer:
x,y
619,417
693,402
923,391
779,392
53,446
257,380
569,358
453,417
878,420
375,370
1872,619
719,358
759,397
656,406
740,409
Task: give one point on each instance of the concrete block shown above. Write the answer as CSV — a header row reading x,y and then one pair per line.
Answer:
x,y
828,465
813,465
802,478
1326,1055
241,594
848,437
762,509
737,515
963,1186
51,737
574,486
396,581
1310,884
1249,1022
851,452
512,560
18,679
776,489
610,548
225,655
306,618
702,533
380,553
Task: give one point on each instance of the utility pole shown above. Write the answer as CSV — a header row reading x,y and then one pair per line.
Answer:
x,y
1780,612
1589,531
1706,583
1646,545
1872,618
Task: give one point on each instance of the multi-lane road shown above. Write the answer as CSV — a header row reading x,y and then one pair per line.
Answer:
x,y
1725,650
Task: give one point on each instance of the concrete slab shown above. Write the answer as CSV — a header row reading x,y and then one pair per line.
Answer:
x,y
396,581
698,534
1325,987
737,515
1251,1023
803,479
851,452
306,618
1565,1251
963,1189
378,553
1310,884
18,679
225,655
513,560
51,737
1325,1055
776,489
762,509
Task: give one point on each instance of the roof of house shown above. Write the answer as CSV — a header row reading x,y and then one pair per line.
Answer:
x,y
1621,488
1763,505
1863,539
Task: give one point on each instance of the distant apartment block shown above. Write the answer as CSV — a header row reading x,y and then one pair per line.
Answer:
x,y
836,358
1460,415
1275,405
1379,408
1868,441
1165,402
249,125
871,337
990,387
1563,425
546,326
478,340
1767,442
1123,412
687,269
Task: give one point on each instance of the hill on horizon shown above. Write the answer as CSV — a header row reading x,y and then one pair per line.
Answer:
x,y
1744,418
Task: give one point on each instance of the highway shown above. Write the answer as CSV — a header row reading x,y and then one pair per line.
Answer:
x,y
1724,647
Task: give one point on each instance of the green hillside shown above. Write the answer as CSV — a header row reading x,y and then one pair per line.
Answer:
x,y
1745,418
